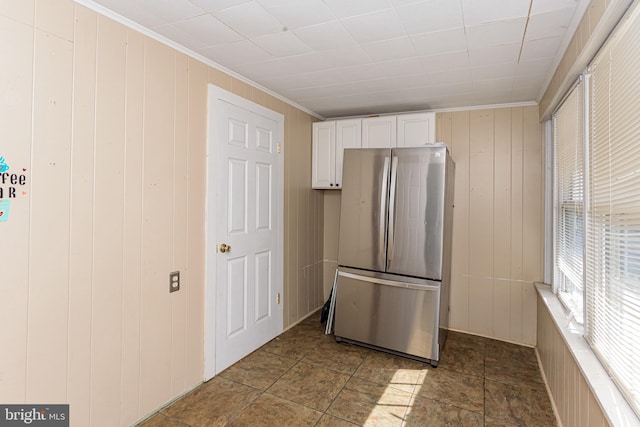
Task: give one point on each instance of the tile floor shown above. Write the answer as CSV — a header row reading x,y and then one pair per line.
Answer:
x,y
305,378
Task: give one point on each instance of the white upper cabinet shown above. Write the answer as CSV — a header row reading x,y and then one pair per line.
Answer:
x,y
323,172
331,137
379,132
348,135
417,129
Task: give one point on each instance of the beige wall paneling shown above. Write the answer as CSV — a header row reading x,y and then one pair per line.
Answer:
x,y
488,294
574,401
502,225
47,338
132,243
331,220
291,225
193,283
459,146
304,235
16,63
179,220
481,124
108,213
515,259
81,211
533,219
18,10
155,311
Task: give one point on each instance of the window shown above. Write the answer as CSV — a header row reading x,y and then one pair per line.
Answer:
x,y
597,205
613,214
568,125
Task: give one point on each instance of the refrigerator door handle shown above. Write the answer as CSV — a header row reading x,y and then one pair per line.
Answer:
x,y
392,209
383,210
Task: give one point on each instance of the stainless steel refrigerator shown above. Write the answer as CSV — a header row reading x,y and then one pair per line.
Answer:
x,y
394,254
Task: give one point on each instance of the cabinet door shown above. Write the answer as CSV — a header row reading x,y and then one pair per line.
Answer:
x,y
415,130
379,132
323,156
348,135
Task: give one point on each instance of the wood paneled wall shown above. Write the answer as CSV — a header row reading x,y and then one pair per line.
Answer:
x,y
498,220
110,128
572,396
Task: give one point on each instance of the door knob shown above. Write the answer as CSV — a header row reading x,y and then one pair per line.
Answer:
x,y
225,248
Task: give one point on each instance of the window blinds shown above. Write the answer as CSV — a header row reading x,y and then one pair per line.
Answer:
x,y
613,210
568,122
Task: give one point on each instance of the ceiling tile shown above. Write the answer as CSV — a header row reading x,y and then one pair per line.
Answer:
x,y
330,35
295,13
549,24
496,33
134,11
440,42
208,30
540,48
234,53
250,20
284,43
347,56
503,54
171,11
447,61
347,8
494,71
541,6
385,50
216,5
482,11
536,67
429,16
374,26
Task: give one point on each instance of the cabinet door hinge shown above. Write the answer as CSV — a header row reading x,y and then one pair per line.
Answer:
x,y
278,298
278,147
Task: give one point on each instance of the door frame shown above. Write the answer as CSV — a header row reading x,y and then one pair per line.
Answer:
x,y
216,93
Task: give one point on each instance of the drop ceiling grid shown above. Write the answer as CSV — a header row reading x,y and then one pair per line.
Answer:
x,y
357,51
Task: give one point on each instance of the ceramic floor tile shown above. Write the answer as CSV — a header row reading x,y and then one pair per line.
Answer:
x,y
466,340
331,421
525,404
369,404
461,358
309,385
292,344
427,412
215,402
388,369
343,357
269,410
454,388
259,370
161,420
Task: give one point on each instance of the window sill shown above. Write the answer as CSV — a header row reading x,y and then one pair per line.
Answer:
x,y
613,404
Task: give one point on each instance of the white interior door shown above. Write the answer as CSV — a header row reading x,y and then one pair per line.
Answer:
x,y
244,228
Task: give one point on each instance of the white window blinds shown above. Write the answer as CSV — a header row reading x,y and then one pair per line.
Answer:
x,y
613,210
568,124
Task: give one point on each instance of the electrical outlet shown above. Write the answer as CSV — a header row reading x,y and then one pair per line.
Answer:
x,y
174,281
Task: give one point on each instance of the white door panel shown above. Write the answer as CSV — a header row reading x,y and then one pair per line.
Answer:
x,y
244,202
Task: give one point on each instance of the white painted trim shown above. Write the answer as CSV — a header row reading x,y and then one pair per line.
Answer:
x,y
152,34
548,201
216,93
612,403
443,110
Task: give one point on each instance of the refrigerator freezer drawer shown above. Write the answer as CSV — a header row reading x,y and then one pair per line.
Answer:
x,y
389,313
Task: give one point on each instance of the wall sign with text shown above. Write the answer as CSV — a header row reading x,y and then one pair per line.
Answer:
x,y
13,184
